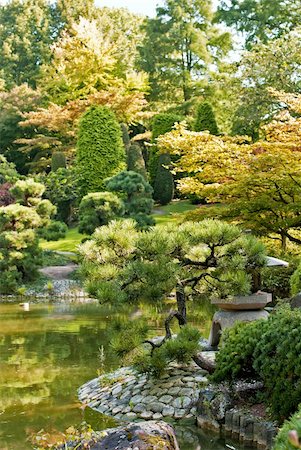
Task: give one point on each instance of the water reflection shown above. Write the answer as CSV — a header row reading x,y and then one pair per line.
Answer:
x,y
48,352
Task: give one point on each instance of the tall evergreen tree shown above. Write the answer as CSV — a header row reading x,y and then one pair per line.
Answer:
x,y
164,183
100,151
135,160
205,119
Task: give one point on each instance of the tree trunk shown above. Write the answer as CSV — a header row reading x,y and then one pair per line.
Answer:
x,y
181,301
283,241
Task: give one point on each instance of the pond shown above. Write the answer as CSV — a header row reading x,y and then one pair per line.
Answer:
x,y
46,353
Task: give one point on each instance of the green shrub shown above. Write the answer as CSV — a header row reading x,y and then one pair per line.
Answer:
x,y
235,358
295,281
276,280
289,434
164,183
163,123
58,161
135,160
136,193
270,351
54,231
100,150
125,135
277,361
97,209
205,119
184,346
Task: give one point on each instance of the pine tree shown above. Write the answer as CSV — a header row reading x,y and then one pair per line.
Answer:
x,y
205,119
100,151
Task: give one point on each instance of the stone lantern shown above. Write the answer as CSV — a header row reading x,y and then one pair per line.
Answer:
x,y
245,308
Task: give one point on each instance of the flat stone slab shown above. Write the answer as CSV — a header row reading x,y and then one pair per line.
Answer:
x,y
126,394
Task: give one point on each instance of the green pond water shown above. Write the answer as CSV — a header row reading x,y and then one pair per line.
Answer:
x,y
46,353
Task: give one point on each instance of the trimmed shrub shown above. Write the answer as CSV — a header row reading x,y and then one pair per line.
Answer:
x,y
205,119
235,358
136,193
135,160
295,281
8,171
269,350
58,161
277,361
97,209
163,123
54,231
164,183
100,151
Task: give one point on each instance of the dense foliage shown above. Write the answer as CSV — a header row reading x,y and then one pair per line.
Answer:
x,y
205,119
269,350
100,151
288,437
136,194
19,222
135,160
164,182
97,209
58,161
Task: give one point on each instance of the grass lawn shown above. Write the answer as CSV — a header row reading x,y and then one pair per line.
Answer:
x,y
172,212
162,215
68,244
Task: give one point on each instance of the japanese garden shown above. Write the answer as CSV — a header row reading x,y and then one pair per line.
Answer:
x,y
150,225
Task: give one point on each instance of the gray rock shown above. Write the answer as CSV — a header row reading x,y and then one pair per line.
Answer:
x,y
179,413
156,407
174,390
117,390
150,399
136,399
146,415
157,416
168,411
139,408
166,399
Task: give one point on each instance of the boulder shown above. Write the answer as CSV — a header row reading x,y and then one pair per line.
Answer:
x,y
149,435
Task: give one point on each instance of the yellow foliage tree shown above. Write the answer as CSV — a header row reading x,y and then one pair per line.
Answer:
x,y
257,184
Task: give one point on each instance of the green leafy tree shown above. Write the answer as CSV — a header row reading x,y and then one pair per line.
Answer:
x,y
100,151
210,258
136,194
19,222
272,65
25,40
62,190
14,103
98,209
135,160
8,171
260,20
180,43
205,119
164,182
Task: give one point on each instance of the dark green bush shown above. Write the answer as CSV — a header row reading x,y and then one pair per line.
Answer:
x,y
235,358
97,209
295,281
163,123
205,119
277,361
54,231
164,183
58,161
100,150
135,160
277,280
270,351
136,193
